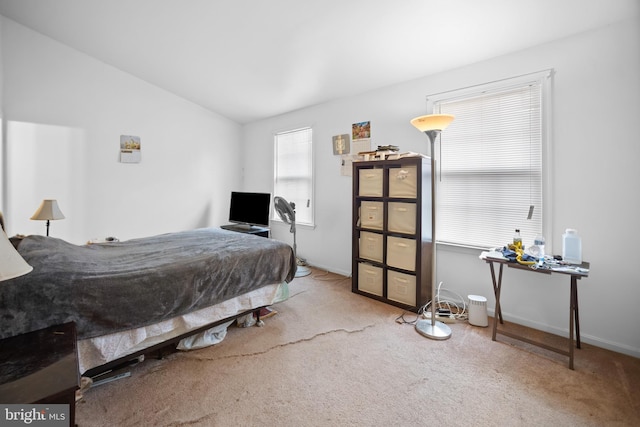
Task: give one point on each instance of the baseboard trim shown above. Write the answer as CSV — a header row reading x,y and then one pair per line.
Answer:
x,y
331,270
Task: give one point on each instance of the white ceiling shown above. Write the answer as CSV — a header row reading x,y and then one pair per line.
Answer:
x,y
252,59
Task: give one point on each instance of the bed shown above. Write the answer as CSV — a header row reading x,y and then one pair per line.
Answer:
x,y
132,296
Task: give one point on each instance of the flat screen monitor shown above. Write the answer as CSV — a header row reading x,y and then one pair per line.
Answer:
x,y
250,208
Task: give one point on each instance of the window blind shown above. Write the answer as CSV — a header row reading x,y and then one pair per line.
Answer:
x,y
293,174
490,167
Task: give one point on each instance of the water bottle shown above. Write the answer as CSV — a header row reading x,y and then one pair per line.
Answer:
x,y
571,247
539,243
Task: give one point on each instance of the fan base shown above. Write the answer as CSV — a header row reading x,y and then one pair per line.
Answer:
x,y
302,271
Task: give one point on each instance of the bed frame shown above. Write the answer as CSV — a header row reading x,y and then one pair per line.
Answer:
x,y
137,356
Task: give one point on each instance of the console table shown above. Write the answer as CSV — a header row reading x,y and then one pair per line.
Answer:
x,y
41,367
574,320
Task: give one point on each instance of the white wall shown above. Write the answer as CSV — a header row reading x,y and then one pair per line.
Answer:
x,y
64,113
594,158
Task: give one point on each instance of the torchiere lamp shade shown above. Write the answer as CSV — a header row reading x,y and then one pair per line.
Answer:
x,y
432,122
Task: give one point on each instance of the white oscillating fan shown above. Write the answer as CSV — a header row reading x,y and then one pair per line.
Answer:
x,y
287,213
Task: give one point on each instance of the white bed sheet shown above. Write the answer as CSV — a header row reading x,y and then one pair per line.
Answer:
x,y
97,351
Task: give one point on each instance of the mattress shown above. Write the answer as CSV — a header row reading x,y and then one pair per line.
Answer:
x,y
118,286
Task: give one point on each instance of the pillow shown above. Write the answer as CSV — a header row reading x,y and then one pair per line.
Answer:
x,y
15,240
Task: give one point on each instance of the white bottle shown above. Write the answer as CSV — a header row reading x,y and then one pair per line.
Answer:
x,y
571,247
538,243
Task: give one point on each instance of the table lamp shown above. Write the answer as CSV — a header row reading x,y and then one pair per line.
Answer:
x,y
11,263
432,125
48,211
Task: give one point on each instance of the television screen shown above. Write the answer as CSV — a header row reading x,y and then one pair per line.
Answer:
x,y
250,208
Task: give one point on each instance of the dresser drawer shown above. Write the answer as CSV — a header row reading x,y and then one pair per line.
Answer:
x,y
401,287
370,182
371,246
401,253
372,215
403,182
402,217
370,279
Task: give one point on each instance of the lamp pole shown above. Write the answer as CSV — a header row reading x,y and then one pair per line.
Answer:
x,y
432,126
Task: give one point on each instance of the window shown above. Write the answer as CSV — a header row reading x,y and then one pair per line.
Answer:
x,y
293,172
492,163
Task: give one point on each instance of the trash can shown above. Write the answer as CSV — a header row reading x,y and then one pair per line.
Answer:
x,y
478,311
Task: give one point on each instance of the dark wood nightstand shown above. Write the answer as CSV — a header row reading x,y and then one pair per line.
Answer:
x,y
41,367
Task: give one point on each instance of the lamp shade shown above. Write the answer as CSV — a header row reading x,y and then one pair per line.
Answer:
x,y
48,210
432,122
11,263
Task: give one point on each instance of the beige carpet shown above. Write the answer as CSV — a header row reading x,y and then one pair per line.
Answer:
x,y
334,358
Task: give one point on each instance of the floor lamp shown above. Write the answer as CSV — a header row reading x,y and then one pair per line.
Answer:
x,y
432,125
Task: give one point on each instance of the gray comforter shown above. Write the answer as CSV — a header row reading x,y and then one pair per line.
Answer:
x,y
110,287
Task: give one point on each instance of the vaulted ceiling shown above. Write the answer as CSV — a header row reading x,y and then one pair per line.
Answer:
x,y
252,59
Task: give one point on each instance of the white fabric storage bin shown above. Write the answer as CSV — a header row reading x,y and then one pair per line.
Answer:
x,y
371,246
401,253
370,182
402,217
372,215
370,279
401,287
403,182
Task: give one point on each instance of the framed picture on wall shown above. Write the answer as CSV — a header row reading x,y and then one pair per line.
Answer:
x,y
130,149
341,144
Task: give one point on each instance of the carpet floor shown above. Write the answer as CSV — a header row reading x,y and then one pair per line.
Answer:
x,y
333,358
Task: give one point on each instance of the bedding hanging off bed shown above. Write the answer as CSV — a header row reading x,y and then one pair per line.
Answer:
x,y
111,287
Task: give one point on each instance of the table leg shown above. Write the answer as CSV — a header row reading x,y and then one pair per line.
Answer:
x,y
498,313
574,296
573,319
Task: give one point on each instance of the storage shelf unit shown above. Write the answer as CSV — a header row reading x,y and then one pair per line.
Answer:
x,y
391,225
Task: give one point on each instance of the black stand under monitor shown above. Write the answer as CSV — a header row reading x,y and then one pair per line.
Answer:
x,y
248,229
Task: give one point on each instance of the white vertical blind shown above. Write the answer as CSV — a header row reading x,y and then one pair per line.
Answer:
x,y
293,171
490,166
